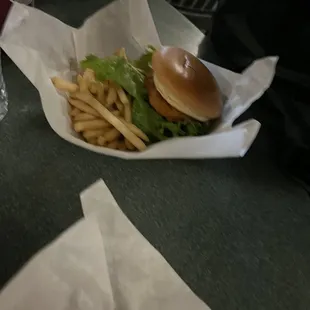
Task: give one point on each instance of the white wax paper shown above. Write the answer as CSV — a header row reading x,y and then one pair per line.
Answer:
x,y
101,263
43,47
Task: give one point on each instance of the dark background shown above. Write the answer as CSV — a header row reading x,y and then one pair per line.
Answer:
x,y
236,230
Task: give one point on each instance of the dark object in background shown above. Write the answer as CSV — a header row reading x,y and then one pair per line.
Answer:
x,y
199,12
244,30
247,30
4,8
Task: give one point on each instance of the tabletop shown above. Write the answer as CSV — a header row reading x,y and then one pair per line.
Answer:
x,y
235,230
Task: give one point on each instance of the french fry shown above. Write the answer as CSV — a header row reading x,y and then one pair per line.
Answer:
x,y
113,145
138,132
101,141
94,133
129,145
93,88
113,120
85,80
83,107
97,89
127,113
122,96
112,96
116,113
84,117
120,106
90,125
92,141
125,101
83,85
112,135
74,112
109,136
121,146
64,85
100,93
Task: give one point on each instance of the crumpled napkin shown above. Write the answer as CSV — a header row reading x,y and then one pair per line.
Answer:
x,y
101,262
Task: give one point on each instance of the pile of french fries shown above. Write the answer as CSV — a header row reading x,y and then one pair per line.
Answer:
x,y
101,113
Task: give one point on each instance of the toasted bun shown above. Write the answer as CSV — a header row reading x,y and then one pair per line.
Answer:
x,y
186,83
161,106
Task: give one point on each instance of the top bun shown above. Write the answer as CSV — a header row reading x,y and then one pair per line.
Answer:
x,y
186,83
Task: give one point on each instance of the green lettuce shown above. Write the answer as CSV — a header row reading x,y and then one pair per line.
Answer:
x,y
144,63
157,128
129,75
118,70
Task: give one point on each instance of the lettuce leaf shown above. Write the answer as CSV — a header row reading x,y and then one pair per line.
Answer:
x,y
129,75
157,128
118,70
144,63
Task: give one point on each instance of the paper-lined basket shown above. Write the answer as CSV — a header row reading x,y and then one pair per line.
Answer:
x,y
42,47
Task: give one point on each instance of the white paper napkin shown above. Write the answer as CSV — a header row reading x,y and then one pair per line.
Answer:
x,y
102,262
42,47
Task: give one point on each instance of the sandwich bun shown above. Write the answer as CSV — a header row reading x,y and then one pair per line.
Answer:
x,y
186,83
161,106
